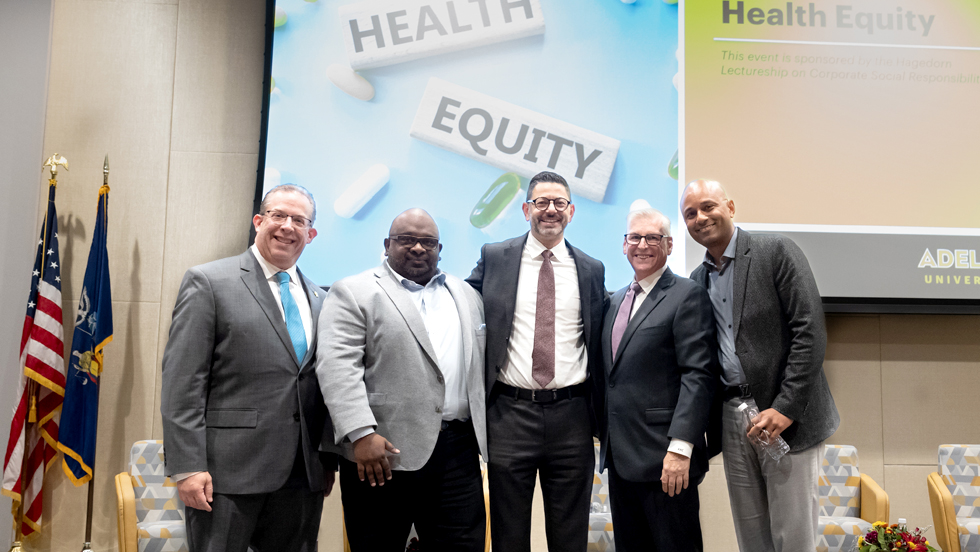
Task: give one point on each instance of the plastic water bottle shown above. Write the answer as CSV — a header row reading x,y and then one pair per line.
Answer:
x,y
770,450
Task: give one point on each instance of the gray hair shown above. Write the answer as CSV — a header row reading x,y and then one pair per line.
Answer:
x,y
651,214
293,188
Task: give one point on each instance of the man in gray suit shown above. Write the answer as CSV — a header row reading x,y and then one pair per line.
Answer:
x,y
400,364
242,413
771,338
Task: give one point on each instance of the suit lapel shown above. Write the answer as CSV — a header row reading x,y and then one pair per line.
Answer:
x,y
407,309
653,299
510,268
258,286
743,248
610,319
584,291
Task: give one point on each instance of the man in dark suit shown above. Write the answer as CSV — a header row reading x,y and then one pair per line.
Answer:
x,y
243,417
660,359
544,301
771,338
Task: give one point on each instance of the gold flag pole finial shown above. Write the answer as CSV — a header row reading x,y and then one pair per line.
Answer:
x,y
105,176
54,161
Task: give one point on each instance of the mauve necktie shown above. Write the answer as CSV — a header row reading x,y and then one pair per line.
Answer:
x,y
294,324
623,317
543,352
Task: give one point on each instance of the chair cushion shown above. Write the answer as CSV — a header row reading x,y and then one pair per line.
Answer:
x,y
840,482
969,534
840,534
600,488
959,466
155,494
601,533
162,536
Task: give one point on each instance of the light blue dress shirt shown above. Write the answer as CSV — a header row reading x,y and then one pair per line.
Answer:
x,y
721,282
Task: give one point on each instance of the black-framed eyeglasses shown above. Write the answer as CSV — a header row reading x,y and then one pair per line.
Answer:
x,y
542,203
278,217
652,239
407,241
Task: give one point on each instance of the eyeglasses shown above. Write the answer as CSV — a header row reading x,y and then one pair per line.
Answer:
x,y
279,218
542,203
652,239
409,241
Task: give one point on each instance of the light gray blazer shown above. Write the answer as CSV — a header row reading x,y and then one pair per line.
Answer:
x,y
377,367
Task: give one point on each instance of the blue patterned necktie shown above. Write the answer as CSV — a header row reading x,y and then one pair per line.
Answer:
x,y
294,324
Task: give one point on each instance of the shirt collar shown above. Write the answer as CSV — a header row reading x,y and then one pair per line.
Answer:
x,y
270,270
534,248
647,283
726,257
438,280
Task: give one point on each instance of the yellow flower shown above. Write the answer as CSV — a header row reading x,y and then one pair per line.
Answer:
x,y
860,541
879,524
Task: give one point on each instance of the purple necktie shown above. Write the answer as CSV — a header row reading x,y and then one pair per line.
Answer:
x,y
623,317
543,351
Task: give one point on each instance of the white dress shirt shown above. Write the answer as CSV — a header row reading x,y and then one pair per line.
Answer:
x,y
646,285
441,317
299,297
571,358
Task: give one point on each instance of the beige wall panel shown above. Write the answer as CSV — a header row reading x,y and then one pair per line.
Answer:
x,y
125,403
717,527
909,496
110,91
853,368
218,83
331,537
930,369
209,202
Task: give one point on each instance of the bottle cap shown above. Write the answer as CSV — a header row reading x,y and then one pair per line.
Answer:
x,y
742,407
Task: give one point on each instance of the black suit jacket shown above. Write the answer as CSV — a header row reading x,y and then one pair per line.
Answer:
x,y
662,383
495,277
780,336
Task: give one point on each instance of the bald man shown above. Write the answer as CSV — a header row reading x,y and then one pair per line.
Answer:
x,y
400,364
771,337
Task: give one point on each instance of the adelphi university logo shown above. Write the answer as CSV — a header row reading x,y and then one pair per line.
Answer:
x,y
961,259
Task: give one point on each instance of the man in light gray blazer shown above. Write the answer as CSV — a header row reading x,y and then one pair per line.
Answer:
x,y
242,414
771,338
400,364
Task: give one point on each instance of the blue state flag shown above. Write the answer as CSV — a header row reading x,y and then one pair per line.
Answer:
x,y
93,331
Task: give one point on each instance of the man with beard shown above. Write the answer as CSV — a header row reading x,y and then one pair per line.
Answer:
x,y
544,303
400,365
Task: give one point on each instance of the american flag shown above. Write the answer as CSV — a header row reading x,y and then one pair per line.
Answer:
x,y
34,428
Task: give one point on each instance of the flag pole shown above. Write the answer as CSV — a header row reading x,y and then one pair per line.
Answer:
x,y
87,546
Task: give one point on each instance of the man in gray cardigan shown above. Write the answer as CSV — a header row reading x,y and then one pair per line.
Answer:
x,y
771,338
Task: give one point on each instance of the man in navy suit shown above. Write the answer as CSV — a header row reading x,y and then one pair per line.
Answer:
x,y
659,357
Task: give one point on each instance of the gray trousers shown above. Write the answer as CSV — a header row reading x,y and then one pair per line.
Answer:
x,y
775,512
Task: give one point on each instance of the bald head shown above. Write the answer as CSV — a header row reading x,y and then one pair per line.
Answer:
x,y
413,247
709,215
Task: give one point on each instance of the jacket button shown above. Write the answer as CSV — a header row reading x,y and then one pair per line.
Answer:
x,y
296,416
440,379
439,410
611,384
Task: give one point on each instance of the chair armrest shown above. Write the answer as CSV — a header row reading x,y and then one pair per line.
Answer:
x,y
126,513
943,514
874,501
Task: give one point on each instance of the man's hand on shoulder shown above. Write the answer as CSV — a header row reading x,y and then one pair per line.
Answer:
x,y
769,420
196,491
371,453
675,476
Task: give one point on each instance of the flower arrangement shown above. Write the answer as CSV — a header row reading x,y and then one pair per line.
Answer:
x,y
894,537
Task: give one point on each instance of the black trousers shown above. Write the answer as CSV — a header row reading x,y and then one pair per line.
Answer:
x,y
444,500
552,442
645,518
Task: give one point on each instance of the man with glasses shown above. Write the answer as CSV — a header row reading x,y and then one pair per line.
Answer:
x,y
400,364
660,362
243,417
544,303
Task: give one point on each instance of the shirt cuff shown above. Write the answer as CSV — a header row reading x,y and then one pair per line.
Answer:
x,y
359,433
182,476
681,447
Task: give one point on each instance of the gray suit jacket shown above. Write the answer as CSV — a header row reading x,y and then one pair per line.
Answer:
x,y
780,337
377,366
236,401
662,383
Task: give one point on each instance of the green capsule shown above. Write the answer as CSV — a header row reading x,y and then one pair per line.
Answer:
x,y
672,166
498,196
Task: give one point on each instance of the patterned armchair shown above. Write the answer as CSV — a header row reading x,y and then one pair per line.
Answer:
x,y
600,516
150,514
954,494
850,501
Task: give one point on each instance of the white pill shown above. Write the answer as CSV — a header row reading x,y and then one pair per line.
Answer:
x,y
639,204
271,180
674,80
350,82
361,191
